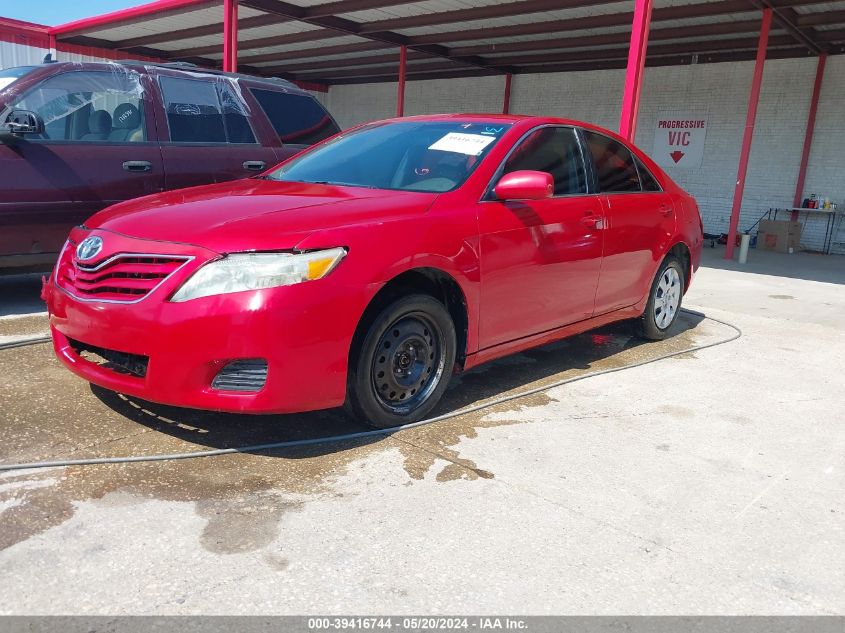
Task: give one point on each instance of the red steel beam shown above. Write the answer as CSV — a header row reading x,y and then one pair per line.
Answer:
x,y
748,136
230,36
808,135
636,66
506,107
400,96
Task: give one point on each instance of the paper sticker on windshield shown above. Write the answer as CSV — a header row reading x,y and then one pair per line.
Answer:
x,y
469,144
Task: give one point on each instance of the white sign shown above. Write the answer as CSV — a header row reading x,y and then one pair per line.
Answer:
x,y
679,140
469,144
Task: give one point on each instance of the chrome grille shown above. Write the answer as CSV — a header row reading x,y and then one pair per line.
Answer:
x,y
121,278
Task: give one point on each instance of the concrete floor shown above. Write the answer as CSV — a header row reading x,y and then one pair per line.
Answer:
x,y
708,483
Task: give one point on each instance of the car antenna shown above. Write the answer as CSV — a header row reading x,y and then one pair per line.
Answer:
x,y
48,59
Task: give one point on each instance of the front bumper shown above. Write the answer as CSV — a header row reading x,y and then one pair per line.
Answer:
x,y
304,332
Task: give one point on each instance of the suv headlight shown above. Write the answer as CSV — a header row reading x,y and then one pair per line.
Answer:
x,y
253,271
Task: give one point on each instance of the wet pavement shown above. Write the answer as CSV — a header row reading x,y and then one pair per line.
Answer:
x,y
706,483
63,417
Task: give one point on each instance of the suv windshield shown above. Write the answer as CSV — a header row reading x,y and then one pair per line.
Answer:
x,y
433,156
10,75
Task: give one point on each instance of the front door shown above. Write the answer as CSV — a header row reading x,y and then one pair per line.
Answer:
x,y
99,147
540,259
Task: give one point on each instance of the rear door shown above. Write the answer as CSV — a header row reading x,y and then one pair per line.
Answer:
x,y
640,222
298,119
540,259
208,135
99,148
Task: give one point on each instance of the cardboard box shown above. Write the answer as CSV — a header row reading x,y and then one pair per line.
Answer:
x,y
779,235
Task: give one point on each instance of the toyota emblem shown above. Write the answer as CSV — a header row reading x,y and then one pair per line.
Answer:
x,y
89,248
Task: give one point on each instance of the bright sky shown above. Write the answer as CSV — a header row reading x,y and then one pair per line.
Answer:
x,y
53,12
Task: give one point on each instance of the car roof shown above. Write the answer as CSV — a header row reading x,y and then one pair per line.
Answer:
x,y
270,82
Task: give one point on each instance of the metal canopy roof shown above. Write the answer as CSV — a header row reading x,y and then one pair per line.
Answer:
x,y
356,41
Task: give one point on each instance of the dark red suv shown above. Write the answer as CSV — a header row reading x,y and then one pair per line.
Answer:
x,y
78,137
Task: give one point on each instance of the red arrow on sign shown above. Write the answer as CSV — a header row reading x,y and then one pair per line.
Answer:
x,y
676,155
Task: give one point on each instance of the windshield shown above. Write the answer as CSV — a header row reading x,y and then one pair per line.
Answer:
x,y
433,156
10,75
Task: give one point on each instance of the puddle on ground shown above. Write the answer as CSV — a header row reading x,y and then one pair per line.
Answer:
x,y
47,413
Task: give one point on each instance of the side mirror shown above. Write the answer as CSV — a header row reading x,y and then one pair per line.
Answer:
x,y
20,123
525,185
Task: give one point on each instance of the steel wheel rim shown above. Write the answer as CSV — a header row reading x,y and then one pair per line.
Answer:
x,y
408,363
667,298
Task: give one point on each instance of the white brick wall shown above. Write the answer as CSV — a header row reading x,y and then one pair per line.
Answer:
x,y
719,90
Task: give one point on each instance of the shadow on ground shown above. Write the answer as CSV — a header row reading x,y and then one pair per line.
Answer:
x,y
612,346
808,266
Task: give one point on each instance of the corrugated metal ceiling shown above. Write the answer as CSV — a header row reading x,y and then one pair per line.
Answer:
x,y
197,34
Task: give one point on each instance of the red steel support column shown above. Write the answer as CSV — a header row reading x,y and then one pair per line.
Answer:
x,y
506,108
52,44
808,135
636,65
400,96
230,36
753,98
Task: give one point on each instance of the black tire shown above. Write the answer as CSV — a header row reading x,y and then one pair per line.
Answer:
x,y
404,363
662,310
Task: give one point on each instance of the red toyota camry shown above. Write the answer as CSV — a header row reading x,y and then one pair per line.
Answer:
x,y
368,269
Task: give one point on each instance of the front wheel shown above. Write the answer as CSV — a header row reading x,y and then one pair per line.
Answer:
x,y
664,301
404,363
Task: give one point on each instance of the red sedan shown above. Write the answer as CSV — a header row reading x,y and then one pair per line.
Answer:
x,y
368,269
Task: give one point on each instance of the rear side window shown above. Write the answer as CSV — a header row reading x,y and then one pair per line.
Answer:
x,y
553,150
614,163
297,119
648,181
201,111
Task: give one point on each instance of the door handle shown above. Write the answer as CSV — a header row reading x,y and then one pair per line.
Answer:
x,y
137,165
593,221
254,165
666,209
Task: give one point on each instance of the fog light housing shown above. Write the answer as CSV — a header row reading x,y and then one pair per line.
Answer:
x,y
246,374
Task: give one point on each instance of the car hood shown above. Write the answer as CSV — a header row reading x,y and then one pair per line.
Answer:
x,y
254,214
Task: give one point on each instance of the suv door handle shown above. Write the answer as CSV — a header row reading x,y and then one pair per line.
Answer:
x,y
137,165
666,209
254,165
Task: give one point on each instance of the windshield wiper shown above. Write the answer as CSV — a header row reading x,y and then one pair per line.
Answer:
x,y
337,184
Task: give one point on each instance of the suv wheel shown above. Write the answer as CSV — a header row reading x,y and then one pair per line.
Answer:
x,y
404,363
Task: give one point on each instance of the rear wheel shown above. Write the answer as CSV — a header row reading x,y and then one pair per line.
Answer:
x,y
404,363
664,301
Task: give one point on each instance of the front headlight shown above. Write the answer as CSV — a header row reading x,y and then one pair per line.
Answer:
x,y
253,271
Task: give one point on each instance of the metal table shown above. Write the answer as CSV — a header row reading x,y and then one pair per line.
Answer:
x,y
830,216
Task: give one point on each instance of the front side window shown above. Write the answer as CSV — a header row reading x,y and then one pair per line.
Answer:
x,y
102,107
614,163
554,150
434,156
297,119
10,75
204,111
